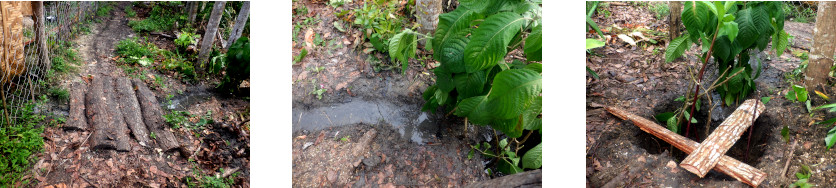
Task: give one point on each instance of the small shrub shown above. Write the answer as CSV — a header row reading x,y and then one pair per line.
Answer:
x,y
186,39
134,51
661,10
177,119
129,12
59,93
19,142
104,10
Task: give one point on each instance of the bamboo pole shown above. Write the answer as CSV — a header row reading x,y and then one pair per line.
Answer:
x,y
726,165
709,151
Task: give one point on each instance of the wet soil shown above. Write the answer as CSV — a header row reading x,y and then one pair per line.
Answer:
x,y
411,148
68,160
637,80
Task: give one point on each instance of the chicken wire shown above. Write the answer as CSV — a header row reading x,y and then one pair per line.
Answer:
x,y
22,71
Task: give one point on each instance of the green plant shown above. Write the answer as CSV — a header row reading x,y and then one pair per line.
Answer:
x,y
473,78
729,31
338,3
209,181
378,22
59,93
163,16
345,138
129,12
104,10
803,177
134,51
176,119
186,39
301,56
238,65
660,10
19,142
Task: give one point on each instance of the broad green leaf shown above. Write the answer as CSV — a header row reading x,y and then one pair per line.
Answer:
x,y
533,45
594,26
512,91
508,168
785,133
444,80
430,103
470,154
530,120
469,84
663,117
441,96
728,18
449,30
535,67
474,108
791,96
831,138
761,20
688,116
450,55
825,106
780,41
485,7
592,43
533,158
488,43
694,17
512,127
719,9
729,29
673,124
736,83
748,30
765,99
402,46
676,48
828,121
800,93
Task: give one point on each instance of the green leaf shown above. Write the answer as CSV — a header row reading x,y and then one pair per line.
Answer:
x,y
594,26
780,41
469,84
535,67
663,117
673,124
677,47
785,133
533,158
444,80
450,55
339,26
534,44
828,122
484,7
800,93
729,29
694,17
748,32
508,168
301,56
475,109
592,43
513,91
688,116
765,99
791,96
488,43
513,127
441,96
530,120
450,35
591,72
470,154
402,46
831,138
825,106
680,99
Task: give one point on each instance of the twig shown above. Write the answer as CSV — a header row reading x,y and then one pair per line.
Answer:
x,y
300,118
787,164
326,116
702,72
88,181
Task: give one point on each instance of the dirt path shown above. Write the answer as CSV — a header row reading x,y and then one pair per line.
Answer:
x,y
636,79
71,158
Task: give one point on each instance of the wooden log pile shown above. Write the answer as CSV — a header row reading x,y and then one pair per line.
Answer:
x,y
113,109
725,164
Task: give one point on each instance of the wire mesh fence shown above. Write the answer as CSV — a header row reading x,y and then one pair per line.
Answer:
x,y
27,49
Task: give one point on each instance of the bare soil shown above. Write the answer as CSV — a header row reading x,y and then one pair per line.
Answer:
x,y
637,79
69,161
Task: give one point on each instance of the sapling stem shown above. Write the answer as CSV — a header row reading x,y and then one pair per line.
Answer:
x,y
702,71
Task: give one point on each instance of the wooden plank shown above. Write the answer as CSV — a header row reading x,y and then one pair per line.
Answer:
x,y
120,128
97,116
77,119
709,151
129,106
153,116
726,165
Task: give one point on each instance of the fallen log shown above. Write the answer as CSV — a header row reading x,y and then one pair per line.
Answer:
x,y
77,119
152,114
532,178
129,106
718,143
726,165
120,128
97,116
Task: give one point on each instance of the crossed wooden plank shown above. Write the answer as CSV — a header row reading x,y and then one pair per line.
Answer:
x,y
724,164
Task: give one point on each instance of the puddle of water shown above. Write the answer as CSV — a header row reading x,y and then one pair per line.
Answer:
x,y
183,101
410,122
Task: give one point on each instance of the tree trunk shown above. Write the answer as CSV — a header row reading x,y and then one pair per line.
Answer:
x,y
40,33
726,165
129,106
77,119
708,153
824,45
675,21
120,128
211,29
193,11
153,116
240,22
532,178
98,117
426,14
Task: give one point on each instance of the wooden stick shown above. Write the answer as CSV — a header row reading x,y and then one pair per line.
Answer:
x,y
726,165
718,143
787,165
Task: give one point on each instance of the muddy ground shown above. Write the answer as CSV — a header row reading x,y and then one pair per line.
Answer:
x,y
68,160
637,79
410,148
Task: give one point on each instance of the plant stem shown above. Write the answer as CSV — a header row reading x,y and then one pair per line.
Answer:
x,y
702,71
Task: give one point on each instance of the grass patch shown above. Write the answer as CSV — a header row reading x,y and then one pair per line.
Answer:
x,y
104,10
162,17
19,142
129,12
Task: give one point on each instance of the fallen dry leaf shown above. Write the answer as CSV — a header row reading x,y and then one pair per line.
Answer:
x,y
309,38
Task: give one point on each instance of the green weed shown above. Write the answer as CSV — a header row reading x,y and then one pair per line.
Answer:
x,y
129,12
19,143
660,10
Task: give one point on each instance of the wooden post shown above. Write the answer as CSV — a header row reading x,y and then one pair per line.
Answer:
x,y
40,34
240,22
708,153
211,29
726,165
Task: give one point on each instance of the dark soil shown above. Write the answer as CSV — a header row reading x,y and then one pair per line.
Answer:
x,y
638,80
69,161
